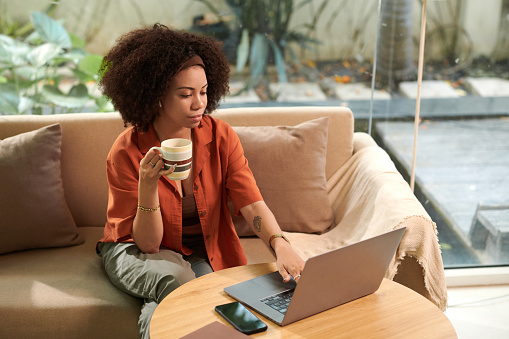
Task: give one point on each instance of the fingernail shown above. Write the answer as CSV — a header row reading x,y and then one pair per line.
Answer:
x,y
174,166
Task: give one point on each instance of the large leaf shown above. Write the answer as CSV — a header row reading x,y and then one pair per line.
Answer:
x,y
76,41
104,104
77,97
243,51
91,64
34,38
74,55
30,74
9,99
11,102
82,76
13,52
51,31
25,104
258,56
41,55
280,62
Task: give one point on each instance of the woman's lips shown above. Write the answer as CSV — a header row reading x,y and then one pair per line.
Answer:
x,y
196,118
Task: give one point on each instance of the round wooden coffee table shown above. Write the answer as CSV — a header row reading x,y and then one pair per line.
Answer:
x,y
394,311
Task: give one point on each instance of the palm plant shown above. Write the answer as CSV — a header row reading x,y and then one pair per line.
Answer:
x,y
265,35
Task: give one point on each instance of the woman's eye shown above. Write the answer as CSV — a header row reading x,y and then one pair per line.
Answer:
x,y
186,95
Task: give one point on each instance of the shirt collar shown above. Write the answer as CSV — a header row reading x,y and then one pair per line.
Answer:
x,y
148,139
203,133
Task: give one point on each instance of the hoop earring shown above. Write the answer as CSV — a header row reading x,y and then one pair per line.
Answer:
x,y
160,104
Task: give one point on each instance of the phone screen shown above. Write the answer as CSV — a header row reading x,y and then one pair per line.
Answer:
x,y
241,318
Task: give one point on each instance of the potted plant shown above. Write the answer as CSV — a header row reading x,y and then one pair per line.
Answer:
x,y
264,36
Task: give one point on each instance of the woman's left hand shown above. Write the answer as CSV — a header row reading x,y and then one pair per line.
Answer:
x,y
264,224
288,262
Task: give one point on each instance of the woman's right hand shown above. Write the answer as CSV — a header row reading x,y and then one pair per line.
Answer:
x,y
152,167
148,226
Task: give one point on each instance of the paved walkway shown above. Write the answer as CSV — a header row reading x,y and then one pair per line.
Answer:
x,y
460,163
315,91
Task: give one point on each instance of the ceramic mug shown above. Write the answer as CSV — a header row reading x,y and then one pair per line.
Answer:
x,y
177,151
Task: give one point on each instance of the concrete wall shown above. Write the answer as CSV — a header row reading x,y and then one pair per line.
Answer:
x,y
347,28
481,20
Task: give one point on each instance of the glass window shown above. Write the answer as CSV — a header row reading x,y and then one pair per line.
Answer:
x,y
320,52
462,156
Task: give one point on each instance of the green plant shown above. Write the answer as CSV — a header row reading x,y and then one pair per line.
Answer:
x,y
265,34
15,29
32,70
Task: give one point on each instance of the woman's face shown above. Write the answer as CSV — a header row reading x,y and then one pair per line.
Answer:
x,y
186,99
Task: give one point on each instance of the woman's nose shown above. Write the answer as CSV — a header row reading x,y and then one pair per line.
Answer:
x,y
198,102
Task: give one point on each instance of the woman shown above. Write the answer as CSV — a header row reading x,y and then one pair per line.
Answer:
x,y
162,233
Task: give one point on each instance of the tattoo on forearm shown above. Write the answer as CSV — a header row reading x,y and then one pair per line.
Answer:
x,y
257,223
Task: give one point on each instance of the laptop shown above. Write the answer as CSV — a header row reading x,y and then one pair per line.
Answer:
x,y
328,280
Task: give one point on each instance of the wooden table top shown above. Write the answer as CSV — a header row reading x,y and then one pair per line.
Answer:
x,y
394,311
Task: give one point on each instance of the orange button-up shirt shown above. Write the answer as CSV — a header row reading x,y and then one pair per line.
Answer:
x,y
219,170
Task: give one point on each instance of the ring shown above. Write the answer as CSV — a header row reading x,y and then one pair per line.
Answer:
x,y
297,276
153,165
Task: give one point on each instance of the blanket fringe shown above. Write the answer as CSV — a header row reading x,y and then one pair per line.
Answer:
x,y
436,299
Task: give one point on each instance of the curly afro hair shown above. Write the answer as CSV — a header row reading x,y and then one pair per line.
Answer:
x,y
137,71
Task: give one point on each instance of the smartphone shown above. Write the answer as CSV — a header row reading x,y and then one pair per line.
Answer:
x,y
241,318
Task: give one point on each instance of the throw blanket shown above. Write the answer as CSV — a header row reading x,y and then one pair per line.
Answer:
x,y
370,197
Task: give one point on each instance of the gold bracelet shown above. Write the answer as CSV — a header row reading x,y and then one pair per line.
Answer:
x,y
279,235
150,210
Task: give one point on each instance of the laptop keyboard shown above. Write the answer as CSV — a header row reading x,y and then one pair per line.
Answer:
x,y
279,301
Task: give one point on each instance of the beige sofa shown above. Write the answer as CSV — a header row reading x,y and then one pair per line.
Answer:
x,y
64,292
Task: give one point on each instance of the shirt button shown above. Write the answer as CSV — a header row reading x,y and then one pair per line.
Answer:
x,y
204,213
211,259
208,237
196,187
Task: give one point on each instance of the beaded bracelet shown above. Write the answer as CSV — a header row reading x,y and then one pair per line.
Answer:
x,y
150,210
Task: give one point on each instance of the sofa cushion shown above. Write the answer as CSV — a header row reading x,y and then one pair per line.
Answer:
x,y
33,209
288,163
85,184
340,134
64,293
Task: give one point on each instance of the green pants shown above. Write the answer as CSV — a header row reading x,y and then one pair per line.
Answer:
x,y
150,276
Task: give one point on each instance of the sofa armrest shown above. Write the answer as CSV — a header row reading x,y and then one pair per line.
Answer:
x,y
369,185
361,140
377,199
370,197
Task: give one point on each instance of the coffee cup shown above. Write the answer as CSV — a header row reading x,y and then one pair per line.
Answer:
x,y
177,151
